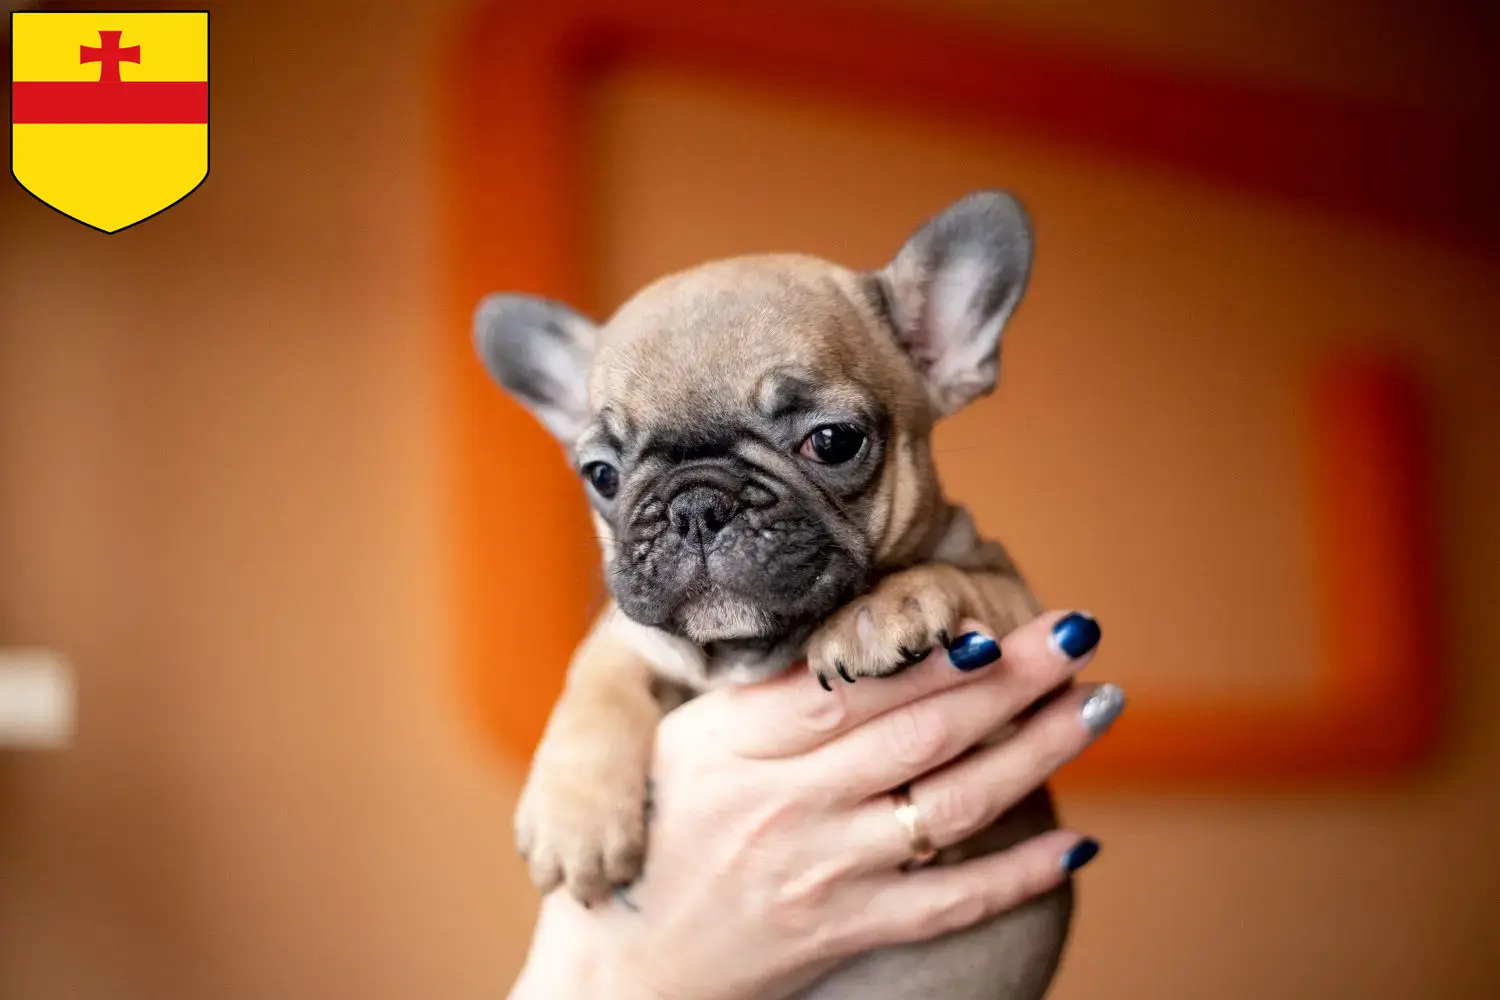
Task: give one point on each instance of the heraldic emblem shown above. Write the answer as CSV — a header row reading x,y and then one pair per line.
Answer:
x,y
109,112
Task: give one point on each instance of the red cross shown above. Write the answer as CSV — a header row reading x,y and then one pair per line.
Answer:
x,y
109,55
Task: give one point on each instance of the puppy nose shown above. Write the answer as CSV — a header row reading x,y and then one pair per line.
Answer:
x,y
699,512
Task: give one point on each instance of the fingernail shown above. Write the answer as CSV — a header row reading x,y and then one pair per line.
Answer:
x,y
1080,854
1075,635
1102,708
973,650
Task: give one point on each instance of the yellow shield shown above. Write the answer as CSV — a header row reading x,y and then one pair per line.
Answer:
x,y
109,112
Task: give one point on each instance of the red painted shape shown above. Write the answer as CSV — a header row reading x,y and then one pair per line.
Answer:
x,y
137,103
1378,705
514,143
109,55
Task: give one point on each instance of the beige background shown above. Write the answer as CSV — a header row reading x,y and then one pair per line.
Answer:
x,y
219,493
1147,454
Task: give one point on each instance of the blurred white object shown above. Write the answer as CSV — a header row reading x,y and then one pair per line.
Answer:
x,y
36,699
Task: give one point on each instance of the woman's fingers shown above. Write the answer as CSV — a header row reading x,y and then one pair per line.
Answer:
x,y
971,794
794,714
902,907
913,738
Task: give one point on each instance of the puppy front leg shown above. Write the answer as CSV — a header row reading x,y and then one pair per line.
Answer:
x,y
911,611
580,821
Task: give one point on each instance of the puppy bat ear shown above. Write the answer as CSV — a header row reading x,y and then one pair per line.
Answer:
x,y
953,287
539,351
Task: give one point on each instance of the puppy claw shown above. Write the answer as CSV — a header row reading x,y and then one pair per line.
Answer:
x,y
896,625
823,680
910,657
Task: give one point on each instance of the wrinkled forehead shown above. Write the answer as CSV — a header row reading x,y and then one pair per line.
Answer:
x,y
701,355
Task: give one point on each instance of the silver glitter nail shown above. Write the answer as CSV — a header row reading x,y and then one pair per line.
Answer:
x,y
1102,707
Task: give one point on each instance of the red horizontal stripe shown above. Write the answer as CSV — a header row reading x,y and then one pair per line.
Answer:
x,y
134,102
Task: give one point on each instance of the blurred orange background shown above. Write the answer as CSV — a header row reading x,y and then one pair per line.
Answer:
x,y
222,495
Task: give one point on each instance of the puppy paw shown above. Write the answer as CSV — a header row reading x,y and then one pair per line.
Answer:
x,y
583,825
885,631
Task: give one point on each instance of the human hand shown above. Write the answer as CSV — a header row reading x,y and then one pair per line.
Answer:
x,y
774,850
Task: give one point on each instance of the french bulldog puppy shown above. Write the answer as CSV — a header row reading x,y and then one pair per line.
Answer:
x,y
754,436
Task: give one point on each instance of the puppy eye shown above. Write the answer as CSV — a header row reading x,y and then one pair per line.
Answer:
x,y
833,444
604,478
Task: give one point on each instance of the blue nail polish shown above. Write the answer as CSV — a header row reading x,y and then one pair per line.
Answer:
x,y
972,650
1080,854
1075,635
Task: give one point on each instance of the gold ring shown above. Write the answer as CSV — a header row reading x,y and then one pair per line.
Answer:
x,y
910,818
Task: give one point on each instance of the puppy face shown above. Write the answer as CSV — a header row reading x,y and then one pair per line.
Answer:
x,y
736,451
753,433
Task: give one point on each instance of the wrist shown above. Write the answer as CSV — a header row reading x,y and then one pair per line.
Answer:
x,y
574,957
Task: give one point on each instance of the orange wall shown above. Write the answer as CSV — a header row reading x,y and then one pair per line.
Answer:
x,y
219,494
1145,458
